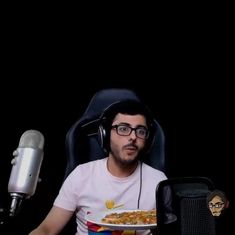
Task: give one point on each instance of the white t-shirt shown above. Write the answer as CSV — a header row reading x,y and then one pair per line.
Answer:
x,y
91,185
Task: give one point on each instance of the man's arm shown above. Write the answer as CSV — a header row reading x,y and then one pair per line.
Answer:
x,y
55,221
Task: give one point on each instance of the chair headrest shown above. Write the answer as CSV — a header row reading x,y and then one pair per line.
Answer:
x,y
84,131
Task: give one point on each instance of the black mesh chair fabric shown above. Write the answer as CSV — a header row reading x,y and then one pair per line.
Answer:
x,y
82,143
182,207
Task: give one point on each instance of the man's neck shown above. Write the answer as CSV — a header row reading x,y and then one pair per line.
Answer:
x,y
120,170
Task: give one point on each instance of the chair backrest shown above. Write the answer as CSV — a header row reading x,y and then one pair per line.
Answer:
x,y
182,206
82,142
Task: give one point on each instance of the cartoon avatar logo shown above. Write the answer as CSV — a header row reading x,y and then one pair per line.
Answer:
x,y
217,202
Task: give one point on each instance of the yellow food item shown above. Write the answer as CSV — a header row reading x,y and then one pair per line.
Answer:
x,y
109,204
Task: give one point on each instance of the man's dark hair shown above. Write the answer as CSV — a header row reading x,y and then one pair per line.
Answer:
x,y
129,107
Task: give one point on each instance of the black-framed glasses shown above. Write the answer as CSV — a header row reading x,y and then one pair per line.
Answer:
x,y
216,205
124,130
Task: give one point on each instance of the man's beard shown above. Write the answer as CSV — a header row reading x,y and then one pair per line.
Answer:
x,y
125,162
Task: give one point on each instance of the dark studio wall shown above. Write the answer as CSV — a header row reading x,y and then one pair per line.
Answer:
x,y
179,64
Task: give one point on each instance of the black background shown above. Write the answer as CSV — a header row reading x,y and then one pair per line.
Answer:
x,y
181,66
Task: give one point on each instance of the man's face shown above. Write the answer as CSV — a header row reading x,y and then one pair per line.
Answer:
x,y
216,205
125,149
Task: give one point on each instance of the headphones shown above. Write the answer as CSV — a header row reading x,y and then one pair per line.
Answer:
x,y
104,129
104,135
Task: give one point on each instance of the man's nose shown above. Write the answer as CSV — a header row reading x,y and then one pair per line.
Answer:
x,y
133,134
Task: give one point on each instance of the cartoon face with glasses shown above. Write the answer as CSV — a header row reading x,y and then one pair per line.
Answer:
x,y
217,202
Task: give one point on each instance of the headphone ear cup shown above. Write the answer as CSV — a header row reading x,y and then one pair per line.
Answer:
x,y
102,138
101,135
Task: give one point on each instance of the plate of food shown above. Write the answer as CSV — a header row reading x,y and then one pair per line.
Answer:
x,y
124,219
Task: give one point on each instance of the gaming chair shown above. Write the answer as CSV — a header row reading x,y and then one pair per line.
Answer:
x,y
84,140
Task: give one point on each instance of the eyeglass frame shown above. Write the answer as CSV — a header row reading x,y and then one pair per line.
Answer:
x,y
131,129
216,205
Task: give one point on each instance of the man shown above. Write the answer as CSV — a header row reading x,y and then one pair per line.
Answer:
x,y
120,180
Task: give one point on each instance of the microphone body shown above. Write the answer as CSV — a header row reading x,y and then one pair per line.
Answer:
x,y
26,166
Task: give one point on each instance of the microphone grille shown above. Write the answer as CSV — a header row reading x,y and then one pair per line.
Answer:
x,y
32,139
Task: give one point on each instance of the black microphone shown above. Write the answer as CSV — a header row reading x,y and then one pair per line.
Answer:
x,y
26,166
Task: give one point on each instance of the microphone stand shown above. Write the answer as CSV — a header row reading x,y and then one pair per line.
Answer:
x,y
15,205
8,215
